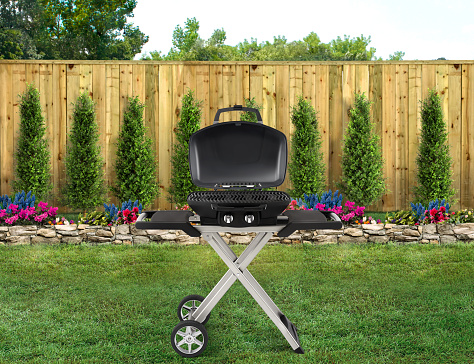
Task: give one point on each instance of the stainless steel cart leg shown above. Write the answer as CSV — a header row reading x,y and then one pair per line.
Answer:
x,y
238,270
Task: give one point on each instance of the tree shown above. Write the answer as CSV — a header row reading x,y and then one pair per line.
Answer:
x,y
188,45
32,157
362,179
73,29
136,163
434,175
306,167
189,122
84,187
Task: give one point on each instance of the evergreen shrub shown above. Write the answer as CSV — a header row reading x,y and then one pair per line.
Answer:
x,y
32,157
84,188
434,174
362,164
135,166
306,167
188,123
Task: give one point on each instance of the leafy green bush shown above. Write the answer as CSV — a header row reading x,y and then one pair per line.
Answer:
x,y
434,175
84,187
32,157
306,167
402,217
136,162
189,122
362,164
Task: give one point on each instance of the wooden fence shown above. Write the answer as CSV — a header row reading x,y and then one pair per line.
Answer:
x,y
395,88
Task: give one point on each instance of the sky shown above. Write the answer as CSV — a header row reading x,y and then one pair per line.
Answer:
x,y
424,30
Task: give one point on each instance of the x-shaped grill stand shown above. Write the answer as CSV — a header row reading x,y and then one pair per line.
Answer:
x,y
238,270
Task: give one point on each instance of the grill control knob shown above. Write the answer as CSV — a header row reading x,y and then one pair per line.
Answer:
x,y
228,218
249,218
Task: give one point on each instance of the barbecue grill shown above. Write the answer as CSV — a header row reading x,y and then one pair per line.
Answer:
x,y
236,160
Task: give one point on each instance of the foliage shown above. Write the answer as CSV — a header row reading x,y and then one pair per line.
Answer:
x,y
434,174
112,211
327,201
32,156
462,216
13,214
362,164
94,218
306,167
21,200
135,165
71,29
250,116
402,217
84,186
189,122
189,46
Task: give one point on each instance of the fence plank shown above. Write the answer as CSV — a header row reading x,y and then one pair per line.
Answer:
x,y
375,95
112,121
269,109
336,130
59,112
321,98
282,82
402,130
454,128
467,144
388,131
414,123
6,119
166,128
18,87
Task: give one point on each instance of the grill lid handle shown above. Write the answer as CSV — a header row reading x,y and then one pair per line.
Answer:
x,y
238,108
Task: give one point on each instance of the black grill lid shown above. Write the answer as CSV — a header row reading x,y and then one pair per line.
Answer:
x,y
238,154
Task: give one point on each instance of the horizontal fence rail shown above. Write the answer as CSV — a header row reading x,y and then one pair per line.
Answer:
x,y
394,88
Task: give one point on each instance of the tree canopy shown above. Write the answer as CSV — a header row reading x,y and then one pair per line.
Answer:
x,y
189,46
68,29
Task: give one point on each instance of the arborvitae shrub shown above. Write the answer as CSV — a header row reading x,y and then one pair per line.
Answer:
x,y
362,164
434,174
32,157
136,162
85,188
306,166
189,122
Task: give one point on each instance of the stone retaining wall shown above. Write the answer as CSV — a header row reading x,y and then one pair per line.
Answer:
x,y
128,234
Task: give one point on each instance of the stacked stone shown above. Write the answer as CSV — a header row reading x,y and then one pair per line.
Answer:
x,y
128,234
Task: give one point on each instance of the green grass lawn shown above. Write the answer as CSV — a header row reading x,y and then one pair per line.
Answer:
x,y
351,304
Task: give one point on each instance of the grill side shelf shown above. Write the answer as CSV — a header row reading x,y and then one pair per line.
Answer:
x,y
173,220
309,220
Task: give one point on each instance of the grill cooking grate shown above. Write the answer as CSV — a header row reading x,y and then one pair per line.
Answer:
x,y
241,197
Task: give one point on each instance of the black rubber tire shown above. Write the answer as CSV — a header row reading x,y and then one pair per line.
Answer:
x,y
192,297
189,337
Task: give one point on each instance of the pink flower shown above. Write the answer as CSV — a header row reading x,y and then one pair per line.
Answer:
x,y
349,205
442,209
42,205
126,212
360,210
11,220
14,208
320,206
3,213
52,211
41,217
